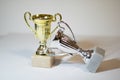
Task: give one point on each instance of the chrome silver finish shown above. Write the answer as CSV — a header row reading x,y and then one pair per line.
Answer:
x,y
65,42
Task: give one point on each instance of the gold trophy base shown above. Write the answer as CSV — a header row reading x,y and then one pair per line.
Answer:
x,y
42,61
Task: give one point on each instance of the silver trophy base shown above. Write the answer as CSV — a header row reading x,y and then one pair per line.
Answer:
x,y
94,62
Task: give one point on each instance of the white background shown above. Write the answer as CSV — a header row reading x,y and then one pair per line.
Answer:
x,y
86,17
97,18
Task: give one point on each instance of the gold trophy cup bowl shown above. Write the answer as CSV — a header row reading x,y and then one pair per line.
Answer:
x,y
42,31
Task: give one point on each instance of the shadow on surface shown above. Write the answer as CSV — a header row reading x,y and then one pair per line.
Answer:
x,y
73,59
109,65
27,53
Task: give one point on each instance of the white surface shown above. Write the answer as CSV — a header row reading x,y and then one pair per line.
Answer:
x,y
16,51
86,17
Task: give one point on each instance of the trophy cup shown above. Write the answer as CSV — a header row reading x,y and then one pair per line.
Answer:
x,y
42,31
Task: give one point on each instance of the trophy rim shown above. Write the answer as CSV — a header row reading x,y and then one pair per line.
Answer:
x,y
42,17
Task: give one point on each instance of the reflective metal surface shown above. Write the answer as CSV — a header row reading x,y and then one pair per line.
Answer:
x,y
42,30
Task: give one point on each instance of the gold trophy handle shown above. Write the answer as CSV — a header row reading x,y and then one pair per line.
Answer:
x,y
28,25
55,19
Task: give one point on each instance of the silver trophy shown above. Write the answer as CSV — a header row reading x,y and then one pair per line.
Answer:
x,y
66,44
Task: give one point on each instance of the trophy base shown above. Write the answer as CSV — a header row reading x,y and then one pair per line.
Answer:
x,y
94,62
43,61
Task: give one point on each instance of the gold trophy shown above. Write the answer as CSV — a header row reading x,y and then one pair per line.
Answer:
x,y
42,31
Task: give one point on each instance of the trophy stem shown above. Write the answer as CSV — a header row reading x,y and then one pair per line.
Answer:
x,y
42,50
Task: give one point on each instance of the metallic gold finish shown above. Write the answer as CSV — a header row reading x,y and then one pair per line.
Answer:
x,y
42,28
